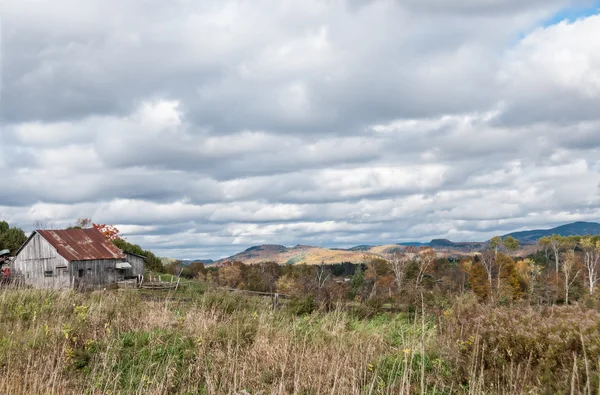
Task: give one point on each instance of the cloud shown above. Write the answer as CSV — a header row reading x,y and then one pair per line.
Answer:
x,y
202,128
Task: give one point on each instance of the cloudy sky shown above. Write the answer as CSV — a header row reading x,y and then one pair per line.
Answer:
x,y
202,127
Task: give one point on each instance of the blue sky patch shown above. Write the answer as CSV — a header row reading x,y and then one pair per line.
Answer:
x,y
572,14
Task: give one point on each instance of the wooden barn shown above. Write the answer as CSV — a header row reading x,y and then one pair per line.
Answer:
x,y
73,258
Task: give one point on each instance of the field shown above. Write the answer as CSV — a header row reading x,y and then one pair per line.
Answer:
x,y
114,342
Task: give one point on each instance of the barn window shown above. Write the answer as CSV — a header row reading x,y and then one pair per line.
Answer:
x,y
48,273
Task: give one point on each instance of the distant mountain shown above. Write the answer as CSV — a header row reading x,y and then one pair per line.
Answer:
x,y
296,255
205,261
572,229
315,255
413,244
462,246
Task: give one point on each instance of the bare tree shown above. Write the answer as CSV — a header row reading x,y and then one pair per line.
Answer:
x,y
426,259
570,272
556,245
42,224
591,258
398,262
322,275
488,260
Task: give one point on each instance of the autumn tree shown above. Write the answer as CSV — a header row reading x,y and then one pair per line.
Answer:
x,y
478,278
530,272
197,269
231,274
109,231
509,278
488,262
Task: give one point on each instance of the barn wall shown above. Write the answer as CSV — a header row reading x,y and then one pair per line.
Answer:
x,y
96,273
38,264
137,265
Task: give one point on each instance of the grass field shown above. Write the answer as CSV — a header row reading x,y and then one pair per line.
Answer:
x,y
115,342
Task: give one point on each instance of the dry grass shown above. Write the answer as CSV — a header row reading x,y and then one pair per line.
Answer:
x,y
117,343
65,342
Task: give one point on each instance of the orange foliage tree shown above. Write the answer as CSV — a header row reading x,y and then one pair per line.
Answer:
x,y
109,231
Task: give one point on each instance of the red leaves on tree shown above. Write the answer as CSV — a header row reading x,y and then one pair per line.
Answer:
x,y
109,231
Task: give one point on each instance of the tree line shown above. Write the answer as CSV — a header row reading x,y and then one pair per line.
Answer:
x,y
559,270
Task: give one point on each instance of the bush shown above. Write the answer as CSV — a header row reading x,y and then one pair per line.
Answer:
x,y
301,306
546,342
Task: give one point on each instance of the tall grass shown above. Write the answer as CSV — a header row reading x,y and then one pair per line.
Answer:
x,y
116,342
61,342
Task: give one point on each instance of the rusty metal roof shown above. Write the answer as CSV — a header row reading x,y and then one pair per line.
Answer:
x,y
81,244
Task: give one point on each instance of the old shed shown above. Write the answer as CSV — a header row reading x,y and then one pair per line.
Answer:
x,y
73,258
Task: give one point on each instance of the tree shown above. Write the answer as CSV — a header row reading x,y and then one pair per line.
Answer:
x,y
478,278
231,274
495,243
509,278
84,223
109,231
556,243
591,258
510,243
197,269
488,261
357,282
426,260
323,274
570,272
545,244
530,273
501,261
398,262
153,262
11,238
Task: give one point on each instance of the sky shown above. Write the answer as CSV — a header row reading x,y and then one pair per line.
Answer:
x,y
200,128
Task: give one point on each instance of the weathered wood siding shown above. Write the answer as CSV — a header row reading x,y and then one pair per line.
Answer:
x,y
137,265
96,273
37,260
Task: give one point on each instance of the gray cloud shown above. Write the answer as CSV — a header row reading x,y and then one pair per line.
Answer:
x,y
201,128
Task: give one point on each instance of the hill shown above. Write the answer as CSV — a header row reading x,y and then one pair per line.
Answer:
x,y
298,254
315,255
572,229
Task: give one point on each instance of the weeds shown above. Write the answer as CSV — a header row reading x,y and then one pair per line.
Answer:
x,y
218,343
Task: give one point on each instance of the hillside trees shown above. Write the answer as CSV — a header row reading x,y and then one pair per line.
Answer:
x,y
153,262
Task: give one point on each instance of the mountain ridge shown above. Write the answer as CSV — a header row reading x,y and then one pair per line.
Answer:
x,y
315,255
